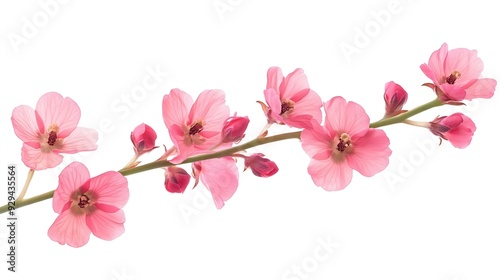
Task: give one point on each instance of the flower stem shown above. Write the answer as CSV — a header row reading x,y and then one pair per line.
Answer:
x,y
402,117
163,163
25,188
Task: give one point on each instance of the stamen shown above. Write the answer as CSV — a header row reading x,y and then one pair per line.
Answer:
x,y
453,77
52,138
344,142
84,201
196,128
285,107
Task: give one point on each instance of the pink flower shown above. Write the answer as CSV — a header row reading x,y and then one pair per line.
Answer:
x,y
176,179
456,74
395,98
234,129
457,128
143,137
345,143
51,129
290,100
88,205
260,166
220,176
194,127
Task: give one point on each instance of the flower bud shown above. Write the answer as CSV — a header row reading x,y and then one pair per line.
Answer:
x,y
457,128
260,166
395,97
143,137
234,129
176,179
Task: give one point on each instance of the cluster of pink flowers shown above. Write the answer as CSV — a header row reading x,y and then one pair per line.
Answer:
x,y
338,144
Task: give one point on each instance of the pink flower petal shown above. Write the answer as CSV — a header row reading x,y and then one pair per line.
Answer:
x,y
210,107
436,62
308,107
274,102
175,107
482,88
329,175
466,62
71,178
111,188
38,160
295,86
316,142
80,140
24,121
345,117
220,177
371,153
70,229
54,109
274,79
107,226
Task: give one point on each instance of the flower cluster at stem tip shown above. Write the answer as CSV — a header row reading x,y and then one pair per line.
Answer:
x,y
336,134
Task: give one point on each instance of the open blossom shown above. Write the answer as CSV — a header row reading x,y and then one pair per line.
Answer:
x,y
345,143
143,137
176,179
290,100
456,74
49,130
220,176
194,127
261,166
395,98
88,205
456,128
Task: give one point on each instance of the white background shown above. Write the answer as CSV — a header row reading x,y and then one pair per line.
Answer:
x,y
432,214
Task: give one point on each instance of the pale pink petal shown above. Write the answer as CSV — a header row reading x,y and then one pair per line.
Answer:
x,y
274,102
210,107
310,107
110,188
80,140
220,177
429,73
274,79
329,175
453,92
38,160
436,64
295,86
175,107
342,117
107,226
316,142
24,121
70,229
63,112
464,61
71,178
482,88
462,130
371,153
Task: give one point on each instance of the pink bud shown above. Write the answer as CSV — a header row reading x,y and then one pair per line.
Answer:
x,y
260,166
457,128
143,137
395,97
176,179
234,129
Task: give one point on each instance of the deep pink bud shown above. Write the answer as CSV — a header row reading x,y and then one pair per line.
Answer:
x,y
176,179
143,137
457,128
234,129
261,167
395,97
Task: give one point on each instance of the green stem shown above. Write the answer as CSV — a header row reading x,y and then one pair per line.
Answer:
x,y
401,117
164,163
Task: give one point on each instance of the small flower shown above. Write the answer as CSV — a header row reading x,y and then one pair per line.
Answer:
x,y
176,179
395,98
456,73
220,176
457,128
88,205
194,127
290,100
143,137
260,166
345,143
50,130
234,129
